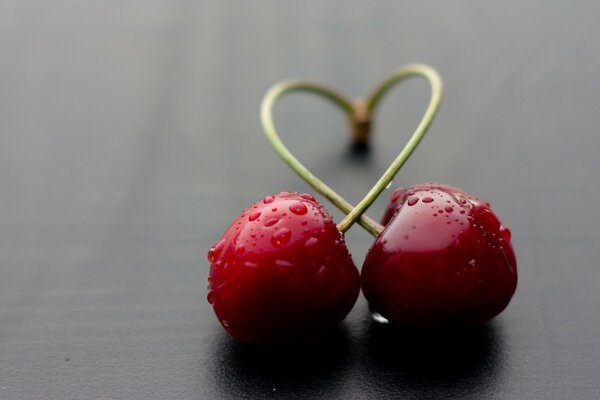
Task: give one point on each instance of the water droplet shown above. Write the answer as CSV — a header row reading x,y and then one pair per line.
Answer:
x,y
268,199
240,249
225,323
435,214
250,264
274,209
210,297
505,232
281,236
449,209
298,208
215,251
283,263
304,223
379,318
427,199
472,262
462,211
414,227
405,237
212,255
311,242
253,216
271,221
307,196
412,201
321,269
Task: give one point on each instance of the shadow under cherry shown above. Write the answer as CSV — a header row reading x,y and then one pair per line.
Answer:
x,y
312,370
433,363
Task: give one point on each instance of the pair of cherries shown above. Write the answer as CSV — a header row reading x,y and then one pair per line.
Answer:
x,y
282,272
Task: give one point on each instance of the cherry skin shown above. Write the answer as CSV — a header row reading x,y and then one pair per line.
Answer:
x,y
443,259
282,272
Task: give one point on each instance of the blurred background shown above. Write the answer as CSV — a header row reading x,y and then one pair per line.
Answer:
x,y
130,139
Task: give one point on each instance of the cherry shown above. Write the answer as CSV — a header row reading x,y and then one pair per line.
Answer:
x,y
443,259
282,272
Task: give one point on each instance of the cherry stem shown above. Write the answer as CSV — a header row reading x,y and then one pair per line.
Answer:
x,y
269,128
358,113
372,101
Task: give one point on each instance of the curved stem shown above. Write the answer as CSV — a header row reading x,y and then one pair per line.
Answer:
x,y
269,128
434,102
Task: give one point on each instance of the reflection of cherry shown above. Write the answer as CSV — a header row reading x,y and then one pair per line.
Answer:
x,y
443,259
282,272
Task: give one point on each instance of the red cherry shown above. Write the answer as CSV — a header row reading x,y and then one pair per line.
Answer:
x,y
282,272
444,259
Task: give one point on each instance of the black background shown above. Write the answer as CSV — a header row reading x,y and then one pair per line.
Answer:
x,y
130,139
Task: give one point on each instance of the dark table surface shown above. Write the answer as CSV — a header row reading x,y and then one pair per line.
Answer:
x,y
130,139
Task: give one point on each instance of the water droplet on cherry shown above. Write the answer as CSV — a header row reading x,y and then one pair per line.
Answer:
x,y
412,201
283,263
298,208
254,216
281,236
311,242
505,232
271,221
215,252
307,196
240,249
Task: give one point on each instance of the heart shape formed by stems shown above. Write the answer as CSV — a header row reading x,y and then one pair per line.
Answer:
x,y
360,113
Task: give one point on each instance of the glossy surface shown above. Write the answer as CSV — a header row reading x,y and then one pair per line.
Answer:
x,y
444,259
282,272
